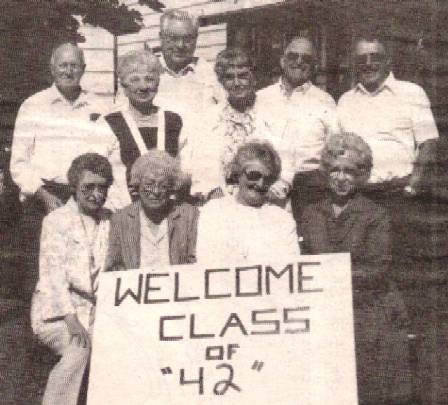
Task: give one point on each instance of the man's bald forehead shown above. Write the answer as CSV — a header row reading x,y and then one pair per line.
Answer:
x,y
301,45
68,48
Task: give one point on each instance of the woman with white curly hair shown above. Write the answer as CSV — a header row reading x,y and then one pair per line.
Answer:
x,y
155,230
347,221
244,226
140,125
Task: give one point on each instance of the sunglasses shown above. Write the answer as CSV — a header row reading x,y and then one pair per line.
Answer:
x,y
373,58
301,58
255,175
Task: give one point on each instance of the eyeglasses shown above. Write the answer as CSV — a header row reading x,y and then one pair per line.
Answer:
x,y
76,67
373,59
152,188
174,39
301,58
89,188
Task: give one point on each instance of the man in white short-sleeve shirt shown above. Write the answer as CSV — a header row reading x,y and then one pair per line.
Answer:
x,y
393,116
302,115
188,83
53,127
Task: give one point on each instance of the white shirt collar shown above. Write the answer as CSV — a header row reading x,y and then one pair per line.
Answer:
x,y
388,84
299,89
57,97
191,67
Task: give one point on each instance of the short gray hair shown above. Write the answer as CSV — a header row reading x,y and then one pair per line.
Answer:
x,y
256,150
77,49
138,57
231,57
158,162
339,145
92,162
178,15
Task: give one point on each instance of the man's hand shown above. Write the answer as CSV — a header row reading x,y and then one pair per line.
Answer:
x,y
280,189
50,201
78,333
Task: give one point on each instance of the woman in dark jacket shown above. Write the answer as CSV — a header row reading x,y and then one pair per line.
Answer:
x,y
155,230
347,221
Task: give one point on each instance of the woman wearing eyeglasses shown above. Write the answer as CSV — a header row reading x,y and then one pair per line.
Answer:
x,y
349,222
139,125
238,121
155,230
244,226
72,253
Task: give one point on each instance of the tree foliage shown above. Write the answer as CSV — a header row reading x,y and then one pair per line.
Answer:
x,y
31,28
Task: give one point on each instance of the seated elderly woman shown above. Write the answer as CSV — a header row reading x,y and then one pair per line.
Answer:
x,y
155,230
243,226
235,123
349,222
141,125
72,253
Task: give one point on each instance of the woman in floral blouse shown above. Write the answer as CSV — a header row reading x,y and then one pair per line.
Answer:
x,y
72,253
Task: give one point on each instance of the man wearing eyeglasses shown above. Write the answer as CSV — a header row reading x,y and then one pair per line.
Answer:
x,y
52,128
303,115
187,82
393,116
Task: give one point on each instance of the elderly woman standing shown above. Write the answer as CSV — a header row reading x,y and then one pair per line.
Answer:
x,y
236,123
155,230
72,253
243,226
141,125
349,222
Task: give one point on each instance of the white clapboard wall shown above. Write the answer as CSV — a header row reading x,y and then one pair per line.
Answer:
x,y
99,44
211,40
99,55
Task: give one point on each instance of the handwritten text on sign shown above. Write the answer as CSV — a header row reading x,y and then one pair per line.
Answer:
x,y
205,335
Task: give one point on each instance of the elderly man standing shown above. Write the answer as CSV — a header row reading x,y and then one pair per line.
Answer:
x,y
301,113
52,128
187,82
393,116
395,119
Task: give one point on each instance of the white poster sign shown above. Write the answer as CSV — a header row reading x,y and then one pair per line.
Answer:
x,y
230,335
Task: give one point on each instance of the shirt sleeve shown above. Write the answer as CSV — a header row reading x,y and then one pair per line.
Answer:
x,y
53,283
25,137
288,239
330,118
118,196
424,126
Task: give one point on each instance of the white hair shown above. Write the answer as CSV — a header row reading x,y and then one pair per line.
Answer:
x,y
137,57
179,15
77,49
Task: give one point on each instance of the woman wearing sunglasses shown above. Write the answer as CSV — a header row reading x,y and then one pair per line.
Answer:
x,y
349,222
73,247
243,226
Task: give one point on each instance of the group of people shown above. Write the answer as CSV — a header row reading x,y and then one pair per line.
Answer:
x,y
196,163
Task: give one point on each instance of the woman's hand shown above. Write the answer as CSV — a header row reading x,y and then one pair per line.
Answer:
x,y
77,332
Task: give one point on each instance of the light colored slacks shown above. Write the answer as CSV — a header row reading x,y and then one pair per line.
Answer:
x,y
64,381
